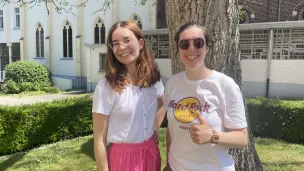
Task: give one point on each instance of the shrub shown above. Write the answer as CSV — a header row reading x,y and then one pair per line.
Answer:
x,y
28,126
52,90
10,87
28,75
26,86
275,118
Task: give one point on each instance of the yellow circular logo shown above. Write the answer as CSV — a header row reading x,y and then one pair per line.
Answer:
x,y
186,110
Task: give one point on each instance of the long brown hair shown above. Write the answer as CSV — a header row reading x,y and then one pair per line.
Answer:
x,y
147,72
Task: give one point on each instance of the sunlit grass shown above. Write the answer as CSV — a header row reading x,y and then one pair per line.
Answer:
x,y
77,154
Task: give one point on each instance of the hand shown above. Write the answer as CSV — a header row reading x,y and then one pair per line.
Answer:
x,y
156,137
202,133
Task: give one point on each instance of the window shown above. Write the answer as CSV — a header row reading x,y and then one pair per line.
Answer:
x,y
160,45
67,40
4,60
100,32
1,19
39,41
135,18
102,61
17,17
15,52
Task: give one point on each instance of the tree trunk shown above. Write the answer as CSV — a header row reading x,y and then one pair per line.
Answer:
x,y
220,17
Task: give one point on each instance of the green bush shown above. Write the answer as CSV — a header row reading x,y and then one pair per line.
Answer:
x,y
28,126
52,90
28,75
26,86
10,87
275,118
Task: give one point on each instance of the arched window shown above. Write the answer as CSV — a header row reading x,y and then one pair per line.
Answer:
x,y
99,32
67,40
136,19
39,41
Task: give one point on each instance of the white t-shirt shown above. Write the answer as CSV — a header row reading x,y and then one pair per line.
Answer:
x,y
220,103
131,113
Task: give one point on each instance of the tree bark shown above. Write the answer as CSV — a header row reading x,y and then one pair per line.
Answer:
x,y
220,17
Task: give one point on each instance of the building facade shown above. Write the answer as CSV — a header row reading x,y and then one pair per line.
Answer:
x,y
60,40
257,11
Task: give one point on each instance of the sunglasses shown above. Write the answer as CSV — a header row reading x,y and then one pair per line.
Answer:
x,y
197,43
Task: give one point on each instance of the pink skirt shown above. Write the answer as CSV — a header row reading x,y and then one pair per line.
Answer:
x,y
143,156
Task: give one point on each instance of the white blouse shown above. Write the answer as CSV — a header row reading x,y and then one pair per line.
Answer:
x,y
131,113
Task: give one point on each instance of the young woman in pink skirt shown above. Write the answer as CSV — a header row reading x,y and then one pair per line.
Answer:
x,y
125,104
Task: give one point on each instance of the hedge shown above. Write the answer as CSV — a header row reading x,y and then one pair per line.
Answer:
x,y
275,118
28,126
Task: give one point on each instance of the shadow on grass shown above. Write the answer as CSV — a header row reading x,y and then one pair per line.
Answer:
x,y
88,148
266,141
11,160
283,164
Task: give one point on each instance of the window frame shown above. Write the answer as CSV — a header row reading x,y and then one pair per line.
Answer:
x,y
100,29
17,22
102,62
67,40
2,19
40,51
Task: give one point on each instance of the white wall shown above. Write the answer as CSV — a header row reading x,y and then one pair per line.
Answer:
x,y
62,83
128,7
15,33
64,66
286,78
281,71
3,32
35,15
291,71
164,66
10,33
93,73
90,18
254,70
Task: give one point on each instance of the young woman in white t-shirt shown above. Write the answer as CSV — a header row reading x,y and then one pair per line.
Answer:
x,y
205,110
125,104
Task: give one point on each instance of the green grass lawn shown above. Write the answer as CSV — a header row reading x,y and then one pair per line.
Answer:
x,y
77,154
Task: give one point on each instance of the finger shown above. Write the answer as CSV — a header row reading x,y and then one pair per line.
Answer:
x,y
194,141
191,131
194,128
201,120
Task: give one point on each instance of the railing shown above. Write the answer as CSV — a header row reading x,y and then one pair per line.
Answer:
x,y
2,76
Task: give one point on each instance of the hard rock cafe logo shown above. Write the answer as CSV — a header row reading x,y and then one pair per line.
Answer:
x,y
186,110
